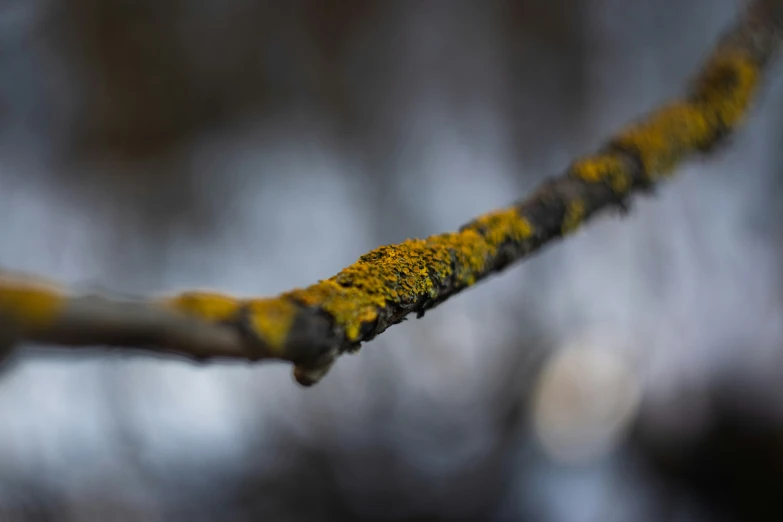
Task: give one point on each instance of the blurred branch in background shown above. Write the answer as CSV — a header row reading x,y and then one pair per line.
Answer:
x,y
311,327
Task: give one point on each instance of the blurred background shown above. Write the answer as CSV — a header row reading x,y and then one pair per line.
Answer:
x,y
632,372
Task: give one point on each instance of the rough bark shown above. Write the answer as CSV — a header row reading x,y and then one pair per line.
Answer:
x,y
312,326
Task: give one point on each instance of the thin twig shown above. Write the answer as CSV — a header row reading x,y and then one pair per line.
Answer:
x,y
312,326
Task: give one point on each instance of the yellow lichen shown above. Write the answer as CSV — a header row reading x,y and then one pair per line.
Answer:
x,y
575,213
271,319
721,98
411,271
210,306
607,167
502,225
30,306
667,135
726,87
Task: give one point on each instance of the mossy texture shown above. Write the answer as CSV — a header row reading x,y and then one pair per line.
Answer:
x,y
392,281
361,299
720,100
311,325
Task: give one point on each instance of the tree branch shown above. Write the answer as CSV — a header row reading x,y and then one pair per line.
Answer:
x,y
312,326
